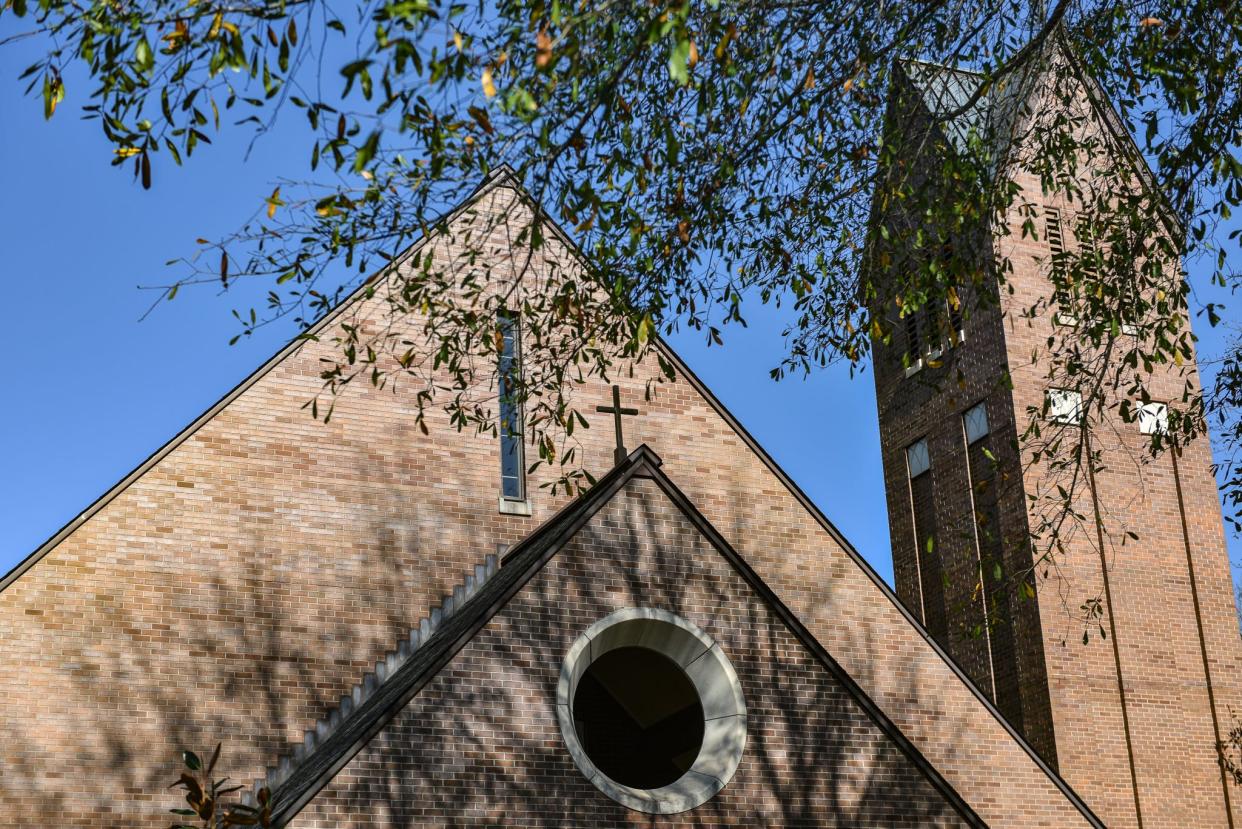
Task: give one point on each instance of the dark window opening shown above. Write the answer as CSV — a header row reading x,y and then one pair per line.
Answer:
x,y
957,329
1052,230
512,461
914,343
639,717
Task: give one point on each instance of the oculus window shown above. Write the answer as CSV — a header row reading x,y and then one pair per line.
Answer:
x,y
651,711
639,717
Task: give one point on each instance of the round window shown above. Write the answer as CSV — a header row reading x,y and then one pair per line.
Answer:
x,y
651,711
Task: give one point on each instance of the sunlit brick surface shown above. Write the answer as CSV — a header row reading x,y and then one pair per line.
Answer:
x,y
235,590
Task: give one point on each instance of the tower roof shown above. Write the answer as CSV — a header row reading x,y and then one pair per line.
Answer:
x,y
996,114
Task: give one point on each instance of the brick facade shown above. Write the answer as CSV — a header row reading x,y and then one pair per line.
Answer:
x,y
1070,696
813,758
234,587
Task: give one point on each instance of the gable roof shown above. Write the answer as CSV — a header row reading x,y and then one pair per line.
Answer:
x,y
501,176
504,176
520,565
996,115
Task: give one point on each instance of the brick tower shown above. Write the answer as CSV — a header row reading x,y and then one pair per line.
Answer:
x,y
1132,717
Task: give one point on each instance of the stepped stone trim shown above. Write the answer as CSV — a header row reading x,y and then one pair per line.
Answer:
x,y
350,704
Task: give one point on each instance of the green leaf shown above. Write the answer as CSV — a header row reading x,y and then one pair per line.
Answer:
x,y
191,760
366,152
53,93
644,329
144,58
678,61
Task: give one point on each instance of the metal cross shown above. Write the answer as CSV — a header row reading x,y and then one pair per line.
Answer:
x,y
619,454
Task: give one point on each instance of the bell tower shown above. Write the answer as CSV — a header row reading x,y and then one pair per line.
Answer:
x,y
1117,654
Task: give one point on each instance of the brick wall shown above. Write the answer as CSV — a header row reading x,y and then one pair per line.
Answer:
x,y
1158,655
236,588
480,745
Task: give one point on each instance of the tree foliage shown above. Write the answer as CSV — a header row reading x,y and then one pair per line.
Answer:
x,y
703,156
208,799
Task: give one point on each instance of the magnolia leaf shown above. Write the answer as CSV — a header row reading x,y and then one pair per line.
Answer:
x,y
644,329
144,58
53,93
678,59
543,49
273,201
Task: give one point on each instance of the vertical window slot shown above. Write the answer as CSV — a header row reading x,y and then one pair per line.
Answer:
x,y
512,460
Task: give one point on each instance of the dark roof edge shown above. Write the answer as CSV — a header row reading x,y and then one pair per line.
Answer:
x,y
540,545
499,175
880,584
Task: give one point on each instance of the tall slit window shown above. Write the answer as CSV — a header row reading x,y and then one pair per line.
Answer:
x,y
994,569
512,461
914,343
1056,246
926,553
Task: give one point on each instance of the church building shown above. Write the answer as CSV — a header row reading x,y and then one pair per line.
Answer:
x,y
387,628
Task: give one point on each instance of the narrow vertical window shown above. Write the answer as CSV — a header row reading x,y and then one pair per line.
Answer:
x,y
1088,249
927,555
917,459
957,327
1052,231
1056,246
976,421
512,462
994,572
952,302
914,343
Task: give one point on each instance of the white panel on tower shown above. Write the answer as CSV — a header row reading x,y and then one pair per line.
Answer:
x,y
1064,406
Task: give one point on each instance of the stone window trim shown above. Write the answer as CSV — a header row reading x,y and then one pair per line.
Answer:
x,y
1064,320
514,506
709,669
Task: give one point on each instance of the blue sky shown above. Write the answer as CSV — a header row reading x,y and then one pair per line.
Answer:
x,y
93,391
